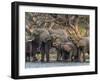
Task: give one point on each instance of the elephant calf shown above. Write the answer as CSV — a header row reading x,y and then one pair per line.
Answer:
x,y
69,51
65,50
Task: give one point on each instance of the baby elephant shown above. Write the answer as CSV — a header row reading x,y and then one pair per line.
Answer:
x,y
69,51
65,50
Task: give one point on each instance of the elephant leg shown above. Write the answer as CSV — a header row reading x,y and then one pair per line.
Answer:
x,y
47,52
42,51
58,55
27,56
42,55
30,56
34,56
30,52
80,53
76,57
73,55
84,56
73,58
70,56
64,55
47,56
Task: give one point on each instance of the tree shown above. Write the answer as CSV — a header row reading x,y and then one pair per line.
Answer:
x,y
77,26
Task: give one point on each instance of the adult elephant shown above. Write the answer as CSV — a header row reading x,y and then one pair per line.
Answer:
x,y
44,40
83,48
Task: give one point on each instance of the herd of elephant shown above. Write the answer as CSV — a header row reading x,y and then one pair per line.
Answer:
x,y
43,40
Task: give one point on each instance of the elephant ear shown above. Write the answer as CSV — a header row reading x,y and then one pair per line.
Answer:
x,y
35,33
